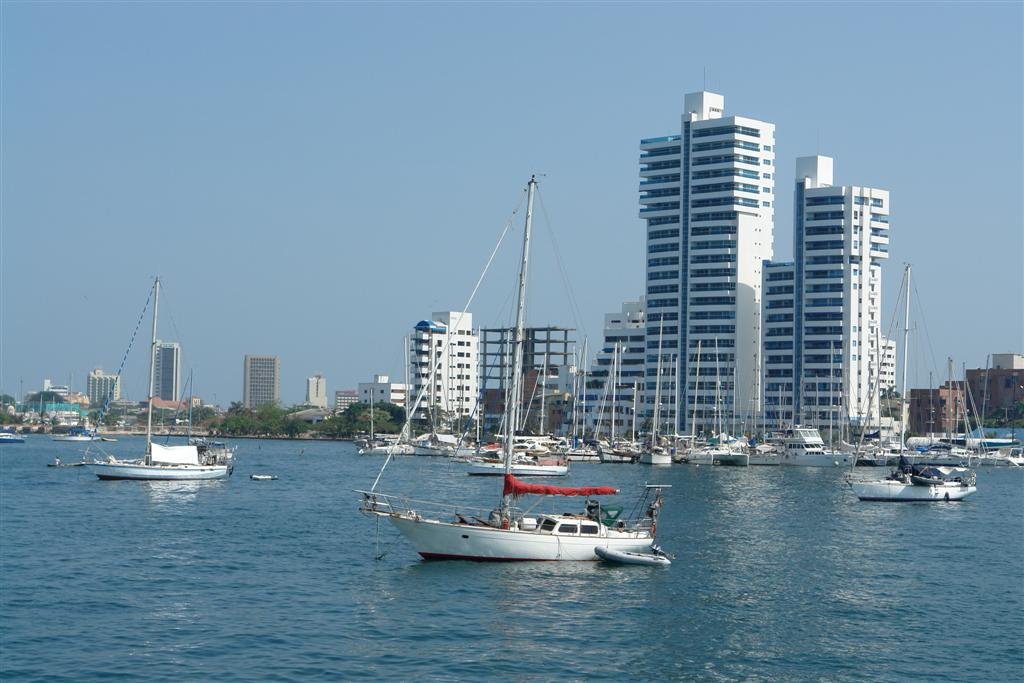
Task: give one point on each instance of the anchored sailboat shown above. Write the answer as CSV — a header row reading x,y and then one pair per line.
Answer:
x,y
163,463
447,531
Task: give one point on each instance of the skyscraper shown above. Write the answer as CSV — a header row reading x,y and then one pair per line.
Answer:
x,y
707,196
316,391
167,377
823,352
261,381
102,388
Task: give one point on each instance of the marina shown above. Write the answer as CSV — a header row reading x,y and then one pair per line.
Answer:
x,y
780,573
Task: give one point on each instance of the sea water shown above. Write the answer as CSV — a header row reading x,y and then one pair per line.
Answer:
x,y
780,574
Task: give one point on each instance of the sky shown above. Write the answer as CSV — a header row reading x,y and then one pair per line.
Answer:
x,y
309,180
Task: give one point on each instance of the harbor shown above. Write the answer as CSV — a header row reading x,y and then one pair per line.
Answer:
x,y
780,574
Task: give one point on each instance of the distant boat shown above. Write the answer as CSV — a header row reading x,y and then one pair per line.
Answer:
x,y
8,436
804,447
167,463
655,558
76,434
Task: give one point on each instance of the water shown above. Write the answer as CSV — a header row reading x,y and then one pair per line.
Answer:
x,y
781,574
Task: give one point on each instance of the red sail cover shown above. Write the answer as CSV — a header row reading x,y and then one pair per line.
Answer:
x,y
519,488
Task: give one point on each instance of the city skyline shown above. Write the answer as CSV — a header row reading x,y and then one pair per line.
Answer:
x,y
366,183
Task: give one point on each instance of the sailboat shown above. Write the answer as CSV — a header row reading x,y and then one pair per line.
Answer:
x,y
915,482
165,463
447,531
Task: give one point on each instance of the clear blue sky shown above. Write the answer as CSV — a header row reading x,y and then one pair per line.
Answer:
x,y
310,180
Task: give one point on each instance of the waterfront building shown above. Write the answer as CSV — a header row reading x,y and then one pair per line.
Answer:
x,y
167,373
59,389
383,390
443,368
316,391
102,388
822,342
936,411
998,389
707,199
614,386
261,381
343,398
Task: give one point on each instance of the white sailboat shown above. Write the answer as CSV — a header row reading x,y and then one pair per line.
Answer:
x,y
914,482
446,531
166,463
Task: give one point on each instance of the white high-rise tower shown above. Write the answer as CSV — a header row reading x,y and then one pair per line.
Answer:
x,y
707,195
823,353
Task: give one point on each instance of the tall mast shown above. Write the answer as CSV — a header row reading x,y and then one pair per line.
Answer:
x,y
906,348
152,375
512,397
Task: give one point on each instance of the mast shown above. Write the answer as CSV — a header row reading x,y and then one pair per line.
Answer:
x,y
615,392
696,385
512,397
906,348
152,375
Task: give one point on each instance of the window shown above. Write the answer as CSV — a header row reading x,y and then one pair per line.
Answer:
x,y
547,525
767,148
766,162
568,528
588,529
766,176
766,203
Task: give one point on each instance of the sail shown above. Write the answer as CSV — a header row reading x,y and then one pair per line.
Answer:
x,y
519,488
175,455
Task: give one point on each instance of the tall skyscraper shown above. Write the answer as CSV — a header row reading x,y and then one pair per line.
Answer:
x,y
316,391
167,378
823,352
707,196
102,388
261,381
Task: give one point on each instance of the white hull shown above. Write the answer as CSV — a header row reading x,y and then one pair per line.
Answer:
x,y
518,469
439,451
892,490
442,540
762,459
649,458
816,459
397,449
73,438
581,455
137,471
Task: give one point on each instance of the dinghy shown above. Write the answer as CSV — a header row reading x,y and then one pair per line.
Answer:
x,y
263,477
655,558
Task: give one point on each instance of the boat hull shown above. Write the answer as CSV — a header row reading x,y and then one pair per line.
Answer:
x,y
436,540
816,460
650,458
134,471
898,491
518,469
621,557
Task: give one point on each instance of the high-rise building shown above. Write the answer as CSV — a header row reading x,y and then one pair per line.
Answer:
x,y
614,386
102,388
443,358
887,377
707,197
316,391
823,351
261,381
167,372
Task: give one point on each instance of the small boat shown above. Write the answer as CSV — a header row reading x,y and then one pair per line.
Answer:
x,y
656,558
76,433
263,477
10,437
